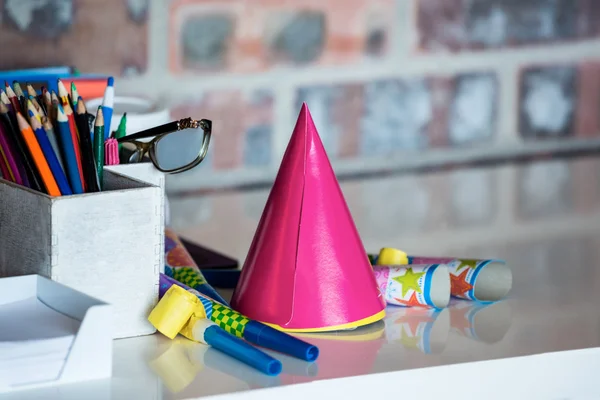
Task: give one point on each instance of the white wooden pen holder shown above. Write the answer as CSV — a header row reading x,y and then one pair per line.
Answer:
x,y
108,245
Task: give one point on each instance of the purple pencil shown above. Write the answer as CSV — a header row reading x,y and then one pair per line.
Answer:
x,y
7,157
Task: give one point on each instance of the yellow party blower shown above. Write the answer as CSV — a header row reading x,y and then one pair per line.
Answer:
x,y
179,311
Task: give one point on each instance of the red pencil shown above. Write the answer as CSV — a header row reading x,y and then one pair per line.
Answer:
x,y
12,97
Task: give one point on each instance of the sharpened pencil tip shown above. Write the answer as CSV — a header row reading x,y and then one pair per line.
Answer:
x,y
110,81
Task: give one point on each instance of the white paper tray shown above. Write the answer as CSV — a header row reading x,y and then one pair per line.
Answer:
x,y
90,355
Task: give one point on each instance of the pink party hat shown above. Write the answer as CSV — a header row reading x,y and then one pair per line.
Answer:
x,y
307,269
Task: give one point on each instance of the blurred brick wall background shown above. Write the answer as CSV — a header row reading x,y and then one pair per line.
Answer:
x,y
390,83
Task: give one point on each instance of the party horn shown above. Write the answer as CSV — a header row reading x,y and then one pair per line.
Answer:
x,y
483,280
252,331
180,266
205,331
487,323
414,285
423,329
180,311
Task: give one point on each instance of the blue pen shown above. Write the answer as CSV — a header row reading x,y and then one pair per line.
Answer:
x,y
68,149
42,138
108,102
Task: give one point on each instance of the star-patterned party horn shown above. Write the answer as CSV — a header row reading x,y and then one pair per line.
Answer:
x,y
415,285
471,279
486,323
424,329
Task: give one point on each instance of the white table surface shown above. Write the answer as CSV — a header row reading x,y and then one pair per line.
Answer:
x,y
543,341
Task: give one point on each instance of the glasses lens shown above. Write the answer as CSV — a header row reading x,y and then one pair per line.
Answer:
x,y
178,149
136,156
131,152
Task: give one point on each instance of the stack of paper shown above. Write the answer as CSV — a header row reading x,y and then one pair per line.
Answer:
x,y
34,342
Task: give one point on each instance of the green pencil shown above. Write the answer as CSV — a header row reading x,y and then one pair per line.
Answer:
x,y
99,145
122,129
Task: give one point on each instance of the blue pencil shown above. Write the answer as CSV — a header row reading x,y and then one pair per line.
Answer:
x,y
68,149
108,102
42,138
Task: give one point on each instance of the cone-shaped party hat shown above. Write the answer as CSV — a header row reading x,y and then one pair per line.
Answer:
x,y
307,269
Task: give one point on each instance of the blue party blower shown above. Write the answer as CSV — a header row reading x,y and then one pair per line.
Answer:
x,y
270,338
205,331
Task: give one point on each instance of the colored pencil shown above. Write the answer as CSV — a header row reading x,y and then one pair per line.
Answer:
x,y
122,129
20,95
65,100
108,102
51,158
5,172
74,95
12,97
18,90
46,101
37,106
63,95
47,125
29,174
87,152
32,112
4,98
38,156
74,133
8,159
68,150
99,145
54,104
30,90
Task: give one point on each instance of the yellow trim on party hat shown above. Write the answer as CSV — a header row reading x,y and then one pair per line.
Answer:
x,y
361,334
351,325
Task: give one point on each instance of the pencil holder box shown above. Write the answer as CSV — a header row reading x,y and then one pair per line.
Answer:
x,y
108,245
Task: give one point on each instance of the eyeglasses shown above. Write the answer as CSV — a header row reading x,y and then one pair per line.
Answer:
x,y
177,146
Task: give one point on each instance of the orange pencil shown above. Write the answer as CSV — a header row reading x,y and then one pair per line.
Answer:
x,y
38,157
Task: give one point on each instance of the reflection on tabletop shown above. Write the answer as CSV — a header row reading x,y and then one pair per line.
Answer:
x,y
418,328
178,363
427,329
484,322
